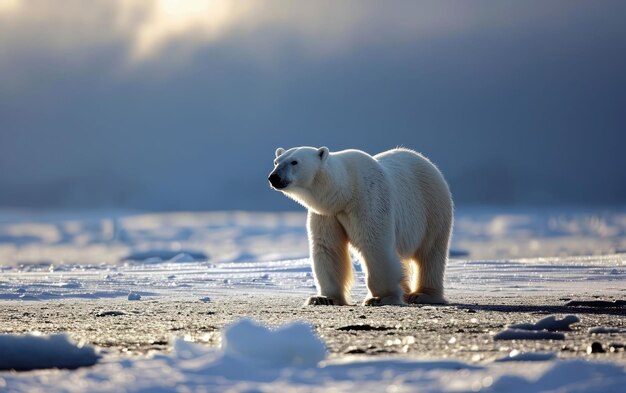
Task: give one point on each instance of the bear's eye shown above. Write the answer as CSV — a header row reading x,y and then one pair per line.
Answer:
x,y
294,162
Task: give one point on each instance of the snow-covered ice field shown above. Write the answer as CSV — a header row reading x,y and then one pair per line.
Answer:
x,y
114,256
59,255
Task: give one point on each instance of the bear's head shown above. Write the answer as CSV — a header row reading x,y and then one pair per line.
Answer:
x,y
296,168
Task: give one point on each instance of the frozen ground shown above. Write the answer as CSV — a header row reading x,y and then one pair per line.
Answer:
x,y
196,273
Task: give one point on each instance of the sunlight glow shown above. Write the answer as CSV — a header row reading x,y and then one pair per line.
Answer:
x,y
169,20
167,33
8,5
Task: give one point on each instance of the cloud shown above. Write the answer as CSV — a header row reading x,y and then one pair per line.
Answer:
x,y
167,30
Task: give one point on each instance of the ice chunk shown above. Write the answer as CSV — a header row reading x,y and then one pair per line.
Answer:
x,y
515,356
455,253
294,344
134,296
69,284
183,257
31,352
158,256
521,334
28,297
549,323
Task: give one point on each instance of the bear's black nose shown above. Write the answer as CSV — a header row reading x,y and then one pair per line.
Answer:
x,y
274,180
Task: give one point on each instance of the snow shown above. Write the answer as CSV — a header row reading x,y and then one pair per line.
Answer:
x,y
544,329
34,351
66,256
293,344
526,277
549,323
566,376
292,358
100,255
114,238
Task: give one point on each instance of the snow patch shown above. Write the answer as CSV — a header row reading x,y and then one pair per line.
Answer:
x,y
294,344
575,376
549,323
544,329
290,359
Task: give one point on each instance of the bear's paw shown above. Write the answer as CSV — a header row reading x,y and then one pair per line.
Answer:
x,y
383,301
321,301
424,298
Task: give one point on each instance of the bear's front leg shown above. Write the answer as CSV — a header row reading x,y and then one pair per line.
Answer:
x,y
332,267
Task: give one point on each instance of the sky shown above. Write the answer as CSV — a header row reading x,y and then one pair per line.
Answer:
x,y
170,105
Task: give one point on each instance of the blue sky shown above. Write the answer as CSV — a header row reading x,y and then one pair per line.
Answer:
x,y
179,105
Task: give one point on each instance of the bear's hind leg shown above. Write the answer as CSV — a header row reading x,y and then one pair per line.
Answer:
x,y
332,266
430,273
383,277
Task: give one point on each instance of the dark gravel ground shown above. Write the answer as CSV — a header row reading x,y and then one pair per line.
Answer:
x,y
463,330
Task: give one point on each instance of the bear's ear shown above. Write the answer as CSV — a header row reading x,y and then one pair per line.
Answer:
x,y
322,152
279,151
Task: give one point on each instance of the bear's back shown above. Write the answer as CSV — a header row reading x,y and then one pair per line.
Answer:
x,y
408,168
420,195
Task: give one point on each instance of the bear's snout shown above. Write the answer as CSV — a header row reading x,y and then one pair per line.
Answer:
x,y
276,181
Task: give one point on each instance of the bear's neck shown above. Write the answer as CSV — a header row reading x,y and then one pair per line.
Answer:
x,y
331,189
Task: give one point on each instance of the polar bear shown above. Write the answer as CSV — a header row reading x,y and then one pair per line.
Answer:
x,y
394,209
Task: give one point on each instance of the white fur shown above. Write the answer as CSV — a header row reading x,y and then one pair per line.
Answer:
x,y
394,208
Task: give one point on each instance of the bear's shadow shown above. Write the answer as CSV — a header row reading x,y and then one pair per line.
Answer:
x,y
617,307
